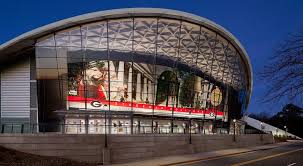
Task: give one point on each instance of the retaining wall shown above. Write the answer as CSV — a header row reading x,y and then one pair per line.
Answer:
x,y
125,148
77,147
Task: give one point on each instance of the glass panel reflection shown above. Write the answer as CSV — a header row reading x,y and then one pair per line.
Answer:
x,y
155,67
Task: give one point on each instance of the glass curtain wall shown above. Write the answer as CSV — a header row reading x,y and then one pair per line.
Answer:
x,y
150,66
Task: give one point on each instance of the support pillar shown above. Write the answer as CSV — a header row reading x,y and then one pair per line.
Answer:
x,y
150,92
138,88
112,84
109,123
120,79
86,124
121,71
132,124
172,126
155,93
129,84
204,95
144,89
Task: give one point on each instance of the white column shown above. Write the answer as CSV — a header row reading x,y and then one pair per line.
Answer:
x,y
225,111
120,78
121,72
150,92
138,87
129,84
204,95
144,89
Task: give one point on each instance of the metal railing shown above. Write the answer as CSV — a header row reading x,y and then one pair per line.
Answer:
x,y
104,129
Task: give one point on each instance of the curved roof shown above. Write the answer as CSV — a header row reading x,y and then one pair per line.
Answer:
x,y
29,39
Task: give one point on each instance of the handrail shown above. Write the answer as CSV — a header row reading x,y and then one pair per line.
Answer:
x,y
100,129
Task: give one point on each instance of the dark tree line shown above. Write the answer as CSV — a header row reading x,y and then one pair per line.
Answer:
x,y
291,116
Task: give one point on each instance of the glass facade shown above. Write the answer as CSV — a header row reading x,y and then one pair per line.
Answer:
x,y
159,71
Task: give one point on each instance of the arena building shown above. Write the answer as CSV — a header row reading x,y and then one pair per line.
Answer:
x,y
124,71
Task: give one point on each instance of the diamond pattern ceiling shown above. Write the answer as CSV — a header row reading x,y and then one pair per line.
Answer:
x,y
178,39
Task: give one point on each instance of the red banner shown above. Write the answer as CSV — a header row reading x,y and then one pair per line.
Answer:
x,y
96,103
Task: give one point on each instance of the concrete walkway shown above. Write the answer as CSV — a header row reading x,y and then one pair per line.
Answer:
x,y
172,160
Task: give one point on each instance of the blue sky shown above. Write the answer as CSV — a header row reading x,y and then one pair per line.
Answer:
x,y
260,25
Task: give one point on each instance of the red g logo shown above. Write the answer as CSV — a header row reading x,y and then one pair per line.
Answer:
x,y
96,104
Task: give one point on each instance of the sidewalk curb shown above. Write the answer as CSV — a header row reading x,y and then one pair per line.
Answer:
x,y
169,162
219,156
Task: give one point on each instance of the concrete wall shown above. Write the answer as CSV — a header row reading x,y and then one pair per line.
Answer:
x,y
76,147
217,142
134,147
125,148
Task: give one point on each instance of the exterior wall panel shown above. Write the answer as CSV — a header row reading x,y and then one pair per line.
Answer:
x,y
15,91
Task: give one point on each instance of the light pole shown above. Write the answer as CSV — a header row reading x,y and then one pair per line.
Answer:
x,y
234,138
105,133
189,130
261,125
285,128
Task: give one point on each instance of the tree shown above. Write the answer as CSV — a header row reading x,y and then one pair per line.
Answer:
x,y
290,116
284,72
167,86
187,90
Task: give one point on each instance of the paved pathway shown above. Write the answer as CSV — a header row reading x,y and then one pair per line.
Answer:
x,y
181,159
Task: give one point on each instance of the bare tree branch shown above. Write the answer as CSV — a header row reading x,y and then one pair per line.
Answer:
x,y
284,73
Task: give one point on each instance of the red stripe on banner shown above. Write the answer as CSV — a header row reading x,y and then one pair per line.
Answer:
x,y
146,106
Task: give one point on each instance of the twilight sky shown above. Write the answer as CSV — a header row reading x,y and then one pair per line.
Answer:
x,y
260,25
